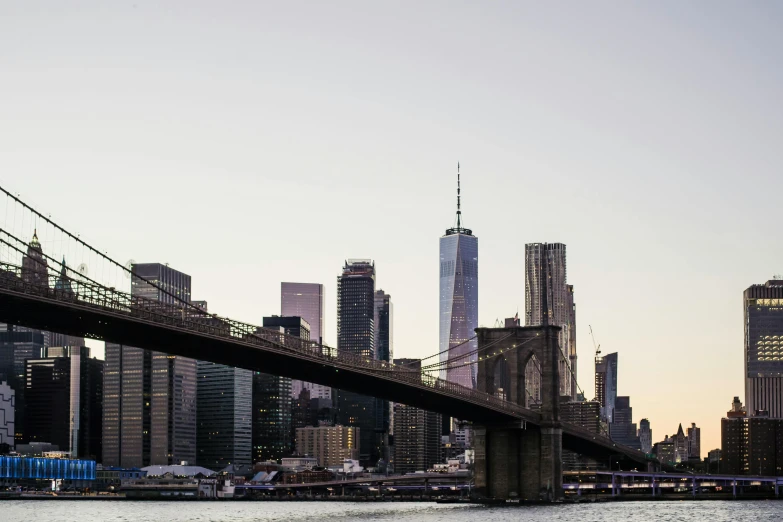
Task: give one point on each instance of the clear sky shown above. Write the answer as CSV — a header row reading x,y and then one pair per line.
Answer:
x,y
249,143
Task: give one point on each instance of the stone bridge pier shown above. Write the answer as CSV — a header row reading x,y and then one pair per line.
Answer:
x,y
519,460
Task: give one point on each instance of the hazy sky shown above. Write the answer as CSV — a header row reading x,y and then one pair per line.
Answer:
x,y
249,143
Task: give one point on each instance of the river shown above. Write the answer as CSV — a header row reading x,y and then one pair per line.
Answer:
x,y
153,511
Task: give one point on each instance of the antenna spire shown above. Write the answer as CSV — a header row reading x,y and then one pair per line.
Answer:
x,y
459,212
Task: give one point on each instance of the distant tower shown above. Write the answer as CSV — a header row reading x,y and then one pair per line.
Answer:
x,y
458,300
763,306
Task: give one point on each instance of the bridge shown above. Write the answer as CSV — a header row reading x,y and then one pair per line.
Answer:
x,y
518,450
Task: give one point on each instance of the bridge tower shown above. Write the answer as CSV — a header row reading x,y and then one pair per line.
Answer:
x,y
522,460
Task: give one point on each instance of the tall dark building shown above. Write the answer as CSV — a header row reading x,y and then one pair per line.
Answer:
x,y
272,403
150,397
384,351
417,433
622,429
763,306
64,400
734,440
18,345
356,335
224,413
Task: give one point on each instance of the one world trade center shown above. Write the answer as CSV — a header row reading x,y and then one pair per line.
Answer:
x,y
458,302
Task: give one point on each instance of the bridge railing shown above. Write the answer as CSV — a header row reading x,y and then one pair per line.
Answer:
x,y
191,318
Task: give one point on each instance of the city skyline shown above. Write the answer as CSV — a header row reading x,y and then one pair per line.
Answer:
x,y
654,186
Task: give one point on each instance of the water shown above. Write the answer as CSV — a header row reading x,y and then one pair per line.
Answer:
x,y
148,511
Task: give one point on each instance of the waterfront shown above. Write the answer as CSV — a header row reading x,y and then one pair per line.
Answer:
x,y
152,511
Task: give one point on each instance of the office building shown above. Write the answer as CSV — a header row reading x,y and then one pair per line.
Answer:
x,y
18,345
356,335
384,351
545,271
64,401
694,442
272,401
585,414
331,445
224,413
763,305
665,451
606,384
458,301
734,440
417,433
645,435
306,300
622,429
150,397
7,408
417,439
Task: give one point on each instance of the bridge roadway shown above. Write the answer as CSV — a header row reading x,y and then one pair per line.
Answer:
x,y
438,479
93,311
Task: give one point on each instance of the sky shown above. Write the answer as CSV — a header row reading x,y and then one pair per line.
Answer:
x,y
249,143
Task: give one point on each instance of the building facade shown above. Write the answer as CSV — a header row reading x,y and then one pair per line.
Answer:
x,y
545,271
606,384
645,435
622,429
356,335
224,414
384,351
7,411
417,433
64,391
763,307
331,445
694,442
272,402
306,300
149,415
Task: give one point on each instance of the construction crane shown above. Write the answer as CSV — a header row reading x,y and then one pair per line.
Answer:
x,y
597,347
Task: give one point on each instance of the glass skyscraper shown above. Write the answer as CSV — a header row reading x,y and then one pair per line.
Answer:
x,y
459,301
306,300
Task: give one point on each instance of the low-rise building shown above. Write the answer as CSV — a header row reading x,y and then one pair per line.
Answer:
x,y
330,445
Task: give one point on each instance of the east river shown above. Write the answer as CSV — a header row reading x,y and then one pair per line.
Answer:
x,y
152,511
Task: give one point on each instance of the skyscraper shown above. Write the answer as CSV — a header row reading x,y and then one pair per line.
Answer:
x,y
150,397
645,435
64,400
224,413
356,335
763,305
606,384
384,351
272,402
306,300
694,442
622,429
458,300
560,303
